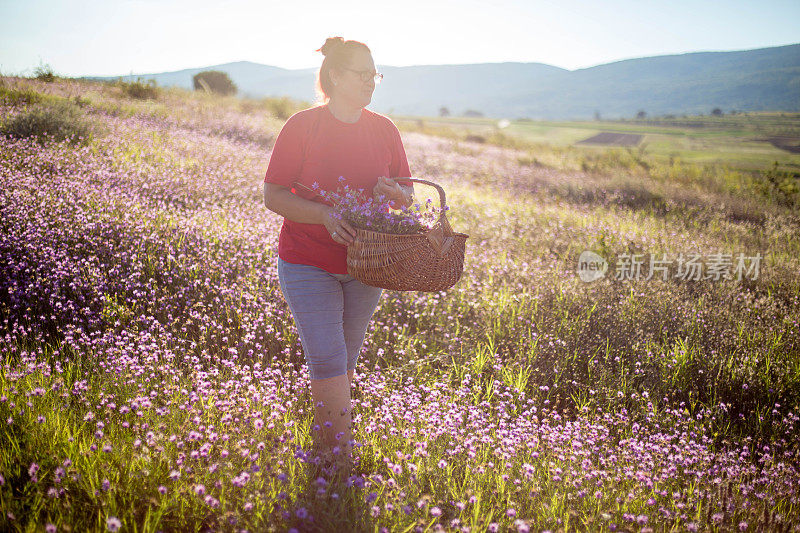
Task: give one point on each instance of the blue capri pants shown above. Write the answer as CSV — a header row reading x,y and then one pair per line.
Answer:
x,y
331,312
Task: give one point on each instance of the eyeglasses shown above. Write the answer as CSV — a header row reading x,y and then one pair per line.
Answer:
x,y
367,75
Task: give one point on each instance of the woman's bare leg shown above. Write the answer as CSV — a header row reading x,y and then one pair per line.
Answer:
x,y
314,434
334,394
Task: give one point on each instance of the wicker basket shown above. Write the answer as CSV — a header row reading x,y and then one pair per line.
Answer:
x,y
429,262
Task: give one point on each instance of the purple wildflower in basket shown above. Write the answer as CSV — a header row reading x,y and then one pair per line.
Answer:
x,y
367,213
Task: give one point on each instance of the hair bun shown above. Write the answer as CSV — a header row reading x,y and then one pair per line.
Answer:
x,y
330,44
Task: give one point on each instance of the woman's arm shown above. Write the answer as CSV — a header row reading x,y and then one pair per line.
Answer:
x,y
280,200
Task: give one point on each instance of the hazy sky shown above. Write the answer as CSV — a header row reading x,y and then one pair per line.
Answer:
x,y
111,37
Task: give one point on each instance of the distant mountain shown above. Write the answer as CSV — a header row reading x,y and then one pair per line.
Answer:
x,y
252,79
766,79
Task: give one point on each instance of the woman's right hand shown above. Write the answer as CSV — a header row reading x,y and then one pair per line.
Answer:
x,y
339,229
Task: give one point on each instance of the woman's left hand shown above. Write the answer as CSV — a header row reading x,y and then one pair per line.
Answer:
x,y
392,192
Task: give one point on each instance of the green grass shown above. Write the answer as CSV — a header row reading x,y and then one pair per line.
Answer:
x,y
519,339
737,141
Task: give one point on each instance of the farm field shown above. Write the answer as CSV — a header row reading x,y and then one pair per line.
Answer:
x,y
742,141
152,379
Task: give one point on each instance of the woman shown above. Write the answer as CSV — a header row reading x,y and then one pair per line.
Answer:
x,y
331,309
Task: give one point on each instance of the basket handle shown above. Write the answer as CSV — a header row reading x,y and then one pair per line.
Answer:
x,y
442,200
441,234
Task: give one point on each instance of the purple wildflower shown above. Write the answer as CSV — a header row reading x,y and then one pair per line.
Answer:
x,y
113,524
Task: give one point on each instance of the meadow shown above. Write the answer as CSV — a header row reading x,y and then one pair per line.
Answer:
x,y
742,141
152,378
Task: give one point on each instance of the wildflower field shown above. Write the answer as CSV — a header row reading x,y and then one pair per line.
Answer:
x,y
152,378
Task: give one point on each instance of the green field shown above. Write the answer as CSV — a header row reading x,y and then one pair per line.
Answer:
x,y
738,141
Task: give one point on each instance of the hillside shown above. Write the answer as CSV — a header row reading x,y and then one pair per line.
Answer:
x,y
153,378
752,80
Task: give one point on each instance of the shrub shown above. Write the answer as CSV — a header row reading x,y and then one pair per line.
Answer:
x,y
81,101
214,81
498,138
282,108
44,73
58,120
140,89
530,161
782,187
17,97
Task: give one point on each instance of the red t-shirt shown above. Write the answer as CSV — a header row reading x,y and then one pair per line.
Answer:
x,y
314,146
